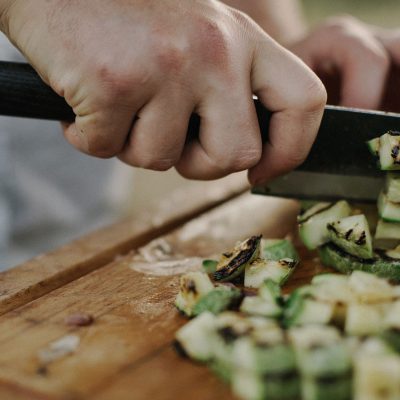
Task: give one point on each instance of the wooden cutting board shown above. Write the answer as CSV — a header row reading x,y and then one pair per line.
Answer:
x,y
126,353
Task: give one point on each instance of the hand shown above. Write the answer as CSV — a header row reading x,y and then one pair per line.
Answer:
x,y
135,70
360,54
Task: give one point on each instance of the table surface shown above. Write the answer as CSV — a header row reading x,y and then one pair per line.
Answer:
x,y
126,277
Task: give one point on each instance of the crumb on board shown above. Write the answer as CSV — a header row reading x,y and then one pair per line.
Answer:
x,y
59,348
79,319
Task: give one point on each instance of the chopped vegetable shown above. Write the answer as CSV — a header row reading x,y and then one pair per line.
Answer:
x,y
260,269
233,263
313,223
352,235
277,249
193,286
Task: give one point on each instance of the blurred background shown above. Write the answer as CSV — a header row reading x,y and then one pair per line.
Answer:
x,y
116,191
385,13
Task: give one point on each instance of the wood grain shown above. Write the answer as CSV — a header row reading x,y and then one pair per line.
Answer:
x,y
126,353
47,272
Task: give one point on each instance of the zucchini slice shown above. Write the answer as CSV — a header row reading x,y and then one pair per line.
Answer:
x,y
269,355
352,235
302,309
374,146
364,319
233,263
392,187
267,303
388,210
249,386
217,300
376,372
193,286
387,235
260,269
389,151
195,338
209,266
380,265
277,249
313,222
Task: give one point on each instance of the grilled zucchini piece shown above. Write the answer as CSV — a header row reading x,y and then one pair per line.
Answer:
x,y
302,309
389,151
374,146
380,265
391,326
233,263
352,235
323,361
368,288
388,210
376,372
267,303
209,266
392,187
217,300
230,326
313,222
193,286
264,359
387,235
277,249
392,338
327,388
249,386
195,338
364,319
260,270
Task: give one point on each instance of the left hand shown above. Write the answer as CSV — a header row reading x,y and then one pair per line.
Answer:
x,y
362,56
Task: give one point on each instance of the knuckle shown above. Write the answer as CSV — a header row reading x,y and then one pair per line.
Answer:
x,y
213,42
341,23
115,81
171,58
316,95
103,147
234,161
380,59
155,164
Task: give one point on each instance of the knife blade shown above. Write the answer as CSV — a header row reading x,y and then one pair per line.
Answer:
x,y
339,163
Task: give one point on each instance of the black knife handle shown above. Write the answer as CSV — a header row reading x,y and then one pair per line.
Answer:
x,y
24,94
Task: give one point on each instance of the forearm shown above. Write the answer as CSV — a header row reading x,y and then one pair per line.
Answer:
x,y
281,19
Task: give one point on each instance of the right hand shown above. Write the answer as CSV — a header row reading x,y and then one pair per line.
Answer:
x,y
134,70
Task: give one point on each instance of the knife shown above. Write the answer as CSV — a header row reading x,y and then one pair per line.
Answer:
x,y
338,166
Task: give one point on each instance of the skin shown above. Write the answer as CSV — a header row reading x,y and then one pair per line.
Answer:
x,y
361,55
135,70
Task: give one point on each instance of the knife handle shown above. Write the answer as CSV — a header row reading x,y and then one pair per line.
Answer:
x,y
24,94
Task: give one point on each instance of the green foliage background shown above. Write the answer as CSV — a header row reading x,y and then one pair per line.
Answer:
x,y
384,13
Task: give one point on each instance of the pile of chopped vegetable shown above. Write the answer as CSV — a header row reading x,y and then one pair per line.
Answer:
x,y
336,338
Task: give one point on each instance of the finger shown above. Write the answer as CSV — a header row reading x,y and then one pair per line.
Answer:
x,y
158,134
364,66
296,97
102,132
390,39
229,138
